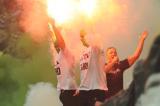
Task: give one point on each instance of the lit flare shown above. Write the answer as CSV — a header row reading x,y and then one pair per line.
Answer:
x,y
87,7
61,10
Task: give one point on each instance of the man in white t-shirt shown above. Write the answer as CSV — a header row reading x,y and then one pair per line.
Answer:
x,y
93,77
64,67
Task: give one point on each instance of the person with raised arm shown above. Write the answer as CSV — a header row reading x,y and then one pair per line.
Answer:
x,y
115,67
64,64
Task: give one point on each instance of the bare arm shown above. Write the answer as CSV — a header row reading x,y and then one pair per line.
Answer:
x,y
111,64
55,33
135,56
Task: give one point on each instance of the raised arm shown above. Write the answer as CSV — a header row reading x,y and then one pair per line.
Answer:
x,y
135,56
55,33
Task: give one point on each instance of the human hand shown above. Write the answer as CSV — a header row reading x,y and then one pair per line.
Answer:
x,y
76,93
144,34
115,59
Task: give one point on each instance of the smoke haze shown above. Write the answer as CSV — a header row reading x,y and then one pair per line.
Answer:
x,y
42,94
117,23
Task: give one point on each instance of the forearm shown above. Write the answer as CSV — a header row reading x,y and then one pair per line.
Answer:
x,y
56,36
59,39
137,52
139,48
84,42
109,66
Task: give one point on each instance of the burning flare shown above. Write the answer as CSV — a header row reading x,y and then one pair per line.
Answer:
x,y
61,10
88,6
65,10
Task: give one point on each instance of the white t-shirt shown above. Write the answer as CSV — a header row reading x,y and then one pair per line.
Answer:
x,y
64,68
92,72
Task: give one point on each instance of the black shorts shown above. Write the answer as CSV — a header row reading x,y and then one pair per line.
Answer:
x,y
67,98
89,98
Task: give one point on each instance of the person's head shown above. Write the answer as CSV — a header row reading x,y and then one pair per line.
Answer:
x,y
111,53
82,37
91,39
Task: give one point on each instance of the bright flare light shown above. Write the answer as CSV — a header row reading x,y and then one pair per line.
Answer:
x,y
61,10
88,6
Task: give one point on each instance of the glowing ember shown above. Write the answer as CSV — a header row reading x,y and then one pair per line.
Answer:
x,y
65,10
88,6
61,10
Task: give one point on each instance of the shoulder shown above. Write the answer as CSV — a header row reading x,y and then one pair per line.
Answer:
x,y
124,64
124,61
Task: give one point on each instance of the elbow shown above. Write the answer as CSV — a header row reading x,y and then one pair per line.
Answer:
x,y
136,57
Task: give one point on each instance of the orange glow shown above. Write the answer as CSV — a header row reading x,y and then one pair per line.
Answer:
x,y
61,10
88,6
66,10
113,8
